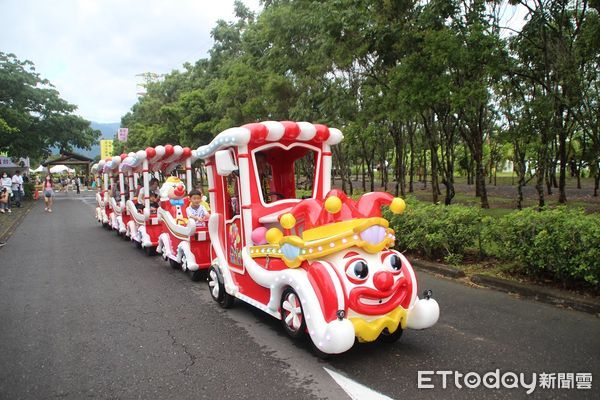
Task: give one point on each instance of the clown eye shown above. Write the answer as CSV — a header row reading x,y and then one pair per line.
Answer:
x,y
393,262
357,270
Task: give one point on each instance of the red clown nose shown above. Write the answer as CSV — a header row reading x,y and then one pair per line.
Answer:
x,y
179,191
383,280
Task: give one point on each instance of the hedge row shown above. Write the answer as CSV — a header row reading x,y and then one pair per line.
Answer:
x,y
559,244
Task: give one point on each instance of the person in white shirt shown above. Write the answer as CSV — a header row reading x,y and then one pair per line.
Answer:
x,y
17,188
196,210
6,183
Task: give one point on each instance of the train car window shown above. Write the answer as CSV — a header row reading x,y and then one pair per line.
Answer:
x,y
286,173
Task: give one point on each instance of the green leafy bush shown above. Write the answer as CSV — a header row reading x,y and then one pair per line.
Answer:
x,y
559,244
437,231
29,188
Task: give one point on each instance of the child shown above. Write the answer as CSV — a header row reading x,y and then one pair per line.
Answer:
x,y
153,203
196,211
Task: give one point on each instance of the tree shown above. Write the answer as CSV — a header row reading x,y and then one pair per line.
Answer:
x,y
33,117
554,50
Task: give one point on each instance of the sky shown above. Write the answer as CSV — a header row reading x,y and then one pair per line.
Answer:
x,y
92,50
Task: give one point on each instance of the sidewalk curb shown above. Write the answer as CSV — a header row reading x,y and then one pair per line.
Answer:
x,y
9,231
543,294
438,268
540,293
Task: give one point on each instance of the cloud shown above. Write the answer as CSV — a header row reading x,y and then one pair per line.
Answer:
x,y
92,50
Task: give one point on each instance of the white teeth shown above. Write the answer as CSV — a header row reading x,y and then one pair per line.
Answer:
x,y
371,302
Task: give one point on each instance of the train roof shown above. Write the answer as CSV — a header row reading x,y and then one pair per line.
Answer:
x,y
159,157
271,131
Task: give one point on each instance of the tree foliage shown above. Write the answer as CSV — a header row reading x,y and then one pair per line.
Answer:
x,y
422,90
33,117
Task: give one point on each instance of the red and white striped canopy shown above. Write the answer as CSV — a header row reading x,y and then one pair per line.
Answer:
x,y
271,131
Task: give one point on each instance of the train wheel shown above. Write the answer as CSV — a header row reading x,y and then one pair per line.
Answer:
x,y
174,264
387,337
292,315
150,251
184,263
217,289
198,275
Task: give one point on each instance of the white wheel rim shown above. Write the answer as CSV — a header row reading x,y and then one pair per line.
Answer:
x,y
183,263
292,312
214,284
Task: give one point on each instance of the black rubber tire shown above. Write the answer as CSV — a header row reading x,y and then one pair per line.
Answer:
x,y
322,355
199,275
150,251
174,264
386,337
224,299
294,333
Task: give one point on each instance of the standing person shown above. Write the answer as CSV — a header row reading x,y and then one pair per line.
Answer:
x,y
17,188
6,183
48,192
77,184
4,199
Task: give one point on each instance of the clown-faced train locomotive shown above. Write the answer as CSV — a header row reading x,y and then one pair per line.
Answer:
x,y
317,260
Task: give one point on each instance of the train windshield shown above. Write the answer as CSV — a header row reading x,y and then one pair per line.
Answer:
x,y
286,173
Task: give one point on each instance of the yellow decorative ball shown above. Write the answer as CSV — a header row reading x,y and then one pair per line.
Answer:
x,y
287,221
333,205
274,235
397,205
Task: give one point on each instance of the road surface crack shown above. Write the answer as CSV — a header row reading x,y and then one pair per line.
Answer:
x,y
192,357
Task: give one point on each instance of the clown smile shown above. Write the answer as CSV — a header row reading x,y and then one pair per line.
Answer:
x,y
374,302
368,301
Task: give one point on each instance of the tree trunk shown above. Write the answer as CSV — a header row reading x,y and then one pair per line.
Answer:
x,y
578,173
562,151
364,176
541,173
521,169
549,179
398,138
424,168
411,135
434,175
480,179
371,176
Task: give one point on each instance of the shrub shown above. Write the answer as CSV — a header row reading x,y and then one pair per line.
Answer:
x,y
29,188
437,231
559,244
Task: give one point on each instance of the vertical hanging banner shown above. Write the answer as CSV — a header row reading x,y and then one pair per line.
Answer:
x,y
106,149
122,134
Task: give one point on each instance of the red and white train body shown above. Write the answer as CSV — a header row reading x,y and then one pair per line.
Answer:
x,y
319,261
182,242
323,264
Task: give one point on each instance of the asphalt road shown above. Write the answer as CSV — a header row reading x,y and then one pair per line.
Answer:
x,y
84,314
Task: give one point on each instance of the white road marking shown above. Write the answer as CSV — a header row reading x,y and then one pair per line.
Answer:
x,y
355,390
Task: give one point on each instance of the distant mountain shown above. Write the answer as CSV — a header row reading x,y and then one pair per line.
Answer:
x,y
108,130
